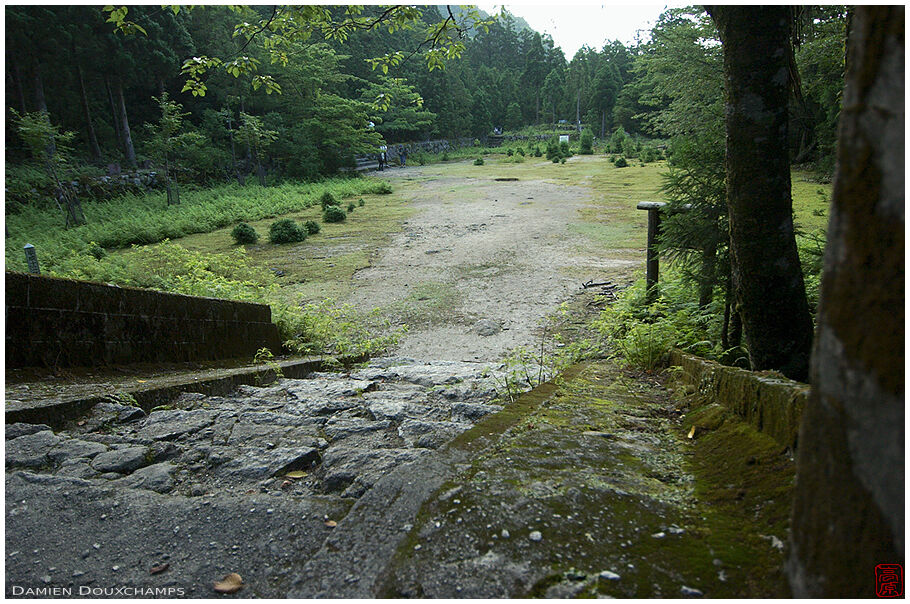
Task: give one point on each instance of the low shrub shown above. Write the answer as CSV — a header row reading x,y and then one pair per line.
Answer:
x,y
621,162
445,156
521,152
334,214
361,202
244,233
96,251
351,207
478,161
537,151
509,152
327,200
381,188
311,227
587,142
287,231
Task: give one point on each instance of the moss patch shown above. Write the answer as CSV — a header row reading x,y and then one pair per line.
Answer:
x,y
600,465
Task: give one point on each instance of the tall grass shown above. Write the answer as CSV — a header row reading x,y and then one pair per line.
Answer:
x,y
144,219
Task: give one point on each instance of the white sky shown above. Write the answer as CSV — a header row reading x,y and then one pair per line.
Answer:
x,y
592,23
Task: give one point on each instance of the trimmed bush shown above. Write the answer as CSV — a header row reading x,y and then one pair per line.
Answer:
x,y
361,202
351,207
478,161
621,162
244,233
286,231
327,200
311,226
334,214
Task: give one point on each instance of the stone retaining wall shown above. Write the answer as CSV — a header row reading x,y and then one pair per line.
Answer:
x,y
773,405
67,323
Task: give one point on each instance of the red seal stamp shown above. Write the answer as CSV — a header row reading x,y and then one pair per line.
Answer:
x,y
889,581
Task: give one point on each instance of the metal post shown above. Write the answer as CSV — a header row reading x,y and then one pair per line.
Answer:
x,y
31,257
653,262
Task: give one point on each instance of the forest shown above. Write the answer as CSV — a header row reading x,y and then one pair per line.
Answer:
x,y
108,106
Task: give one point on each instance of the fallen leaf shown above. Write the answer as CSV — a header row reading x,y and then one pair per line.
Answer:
x,y
231,583
160,568
296,474
286,484
331,523
142,381
692,432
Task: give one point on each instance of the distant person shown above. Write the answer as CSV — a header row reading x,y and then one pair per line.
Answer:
x,y
382,157
403,155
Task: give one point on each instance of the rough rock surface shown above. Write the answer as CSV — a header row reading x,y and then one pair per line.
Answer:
x,y
213,485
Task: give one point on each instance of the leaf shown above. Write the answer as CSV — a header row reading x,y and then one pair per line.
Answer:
x,y
296,474
231,583
160,568
692,432
331,523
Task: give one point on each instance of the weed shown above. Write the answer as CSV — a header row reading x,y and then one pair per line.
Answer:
x,y
351,207
361,202
265,357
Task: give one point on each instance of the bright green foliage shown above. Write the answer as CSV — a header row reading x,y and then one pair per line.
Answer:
x,y
478,161
50,148
133,219
587,142
166,141
334,214
617,140
398,107
244,233
257,138
323,328
286,231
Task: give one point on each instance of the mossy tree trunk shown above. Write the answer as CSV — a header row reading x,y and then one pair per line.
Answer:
x,y
848,515
767,278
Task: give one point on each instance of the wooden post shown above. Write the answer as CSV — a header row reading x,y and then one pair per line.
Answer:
x,y
653,262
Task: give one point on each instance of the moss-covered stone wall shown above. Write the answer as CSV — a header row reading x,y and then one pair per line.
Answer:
x,y
770,403
68,323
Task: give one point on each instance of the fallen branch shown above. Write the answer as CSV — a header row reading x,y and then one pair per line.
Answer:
x,y
590,283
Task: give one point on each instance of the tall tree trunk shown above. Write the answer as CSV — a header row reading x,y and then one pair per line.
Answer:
x,y
603,124
40,101
42,106
90,129
706,278
114,114
848,515
20,89
767,278
125,129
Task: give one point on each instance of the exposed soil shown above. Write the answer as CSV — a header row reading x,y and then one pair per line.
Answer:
x,y
482,249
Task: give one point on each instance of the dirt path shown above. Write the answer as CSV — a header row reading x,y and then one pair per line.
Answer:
x,y
481,263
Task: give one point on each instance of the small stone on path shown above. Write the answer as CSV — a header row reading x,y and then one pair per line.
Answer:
x,y
535,536
690,592
608,575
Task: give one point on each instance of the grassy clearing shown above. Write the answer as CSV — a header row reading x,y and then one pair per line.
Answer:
x,y
146,219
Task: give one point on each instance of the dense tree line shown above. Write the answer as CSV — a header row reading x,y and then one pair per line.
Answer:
x,y
71,64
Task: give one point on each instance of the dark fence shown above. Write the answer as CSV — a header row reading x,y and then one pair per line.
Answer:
x,y
53,322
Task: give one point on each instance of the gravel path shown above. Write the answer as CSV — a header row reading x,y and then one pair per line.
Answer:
x,y
481,263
